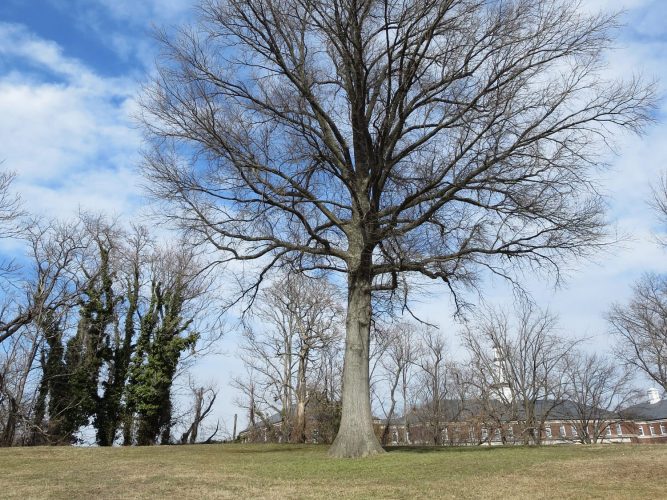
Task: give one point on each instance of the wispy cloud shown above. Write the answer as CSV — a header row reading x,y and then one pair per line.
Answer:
x,y
66,131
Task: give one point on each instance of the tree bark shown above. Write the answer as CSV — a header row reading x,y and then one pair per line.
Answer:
x,y
301,391
355,436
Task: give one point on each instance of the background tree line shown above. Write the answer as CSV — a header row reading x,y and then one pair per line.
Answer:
x,y
515,366
96,322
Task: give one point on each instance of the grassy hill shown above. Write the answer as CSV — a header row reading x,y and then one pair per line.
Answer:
x,y
276,471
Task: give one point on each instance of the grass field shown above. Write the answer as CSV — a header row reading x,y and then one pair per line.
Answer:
x,y
280,471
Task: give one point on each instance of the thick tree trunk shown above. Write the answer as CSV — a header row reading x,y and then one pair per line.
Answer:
x,y
355,436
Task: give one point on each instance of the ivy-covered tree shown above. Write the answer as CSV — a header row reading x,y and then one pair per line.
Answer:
x,y
165,334
110,409
89,348
52,394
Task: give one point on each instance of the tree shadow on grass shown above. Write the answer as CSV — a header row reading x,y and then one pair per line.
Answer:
x,y
440,449
255,448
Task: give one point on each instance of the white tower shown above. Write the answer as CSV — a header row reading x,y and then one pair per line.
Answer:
x,y
500,385
653,396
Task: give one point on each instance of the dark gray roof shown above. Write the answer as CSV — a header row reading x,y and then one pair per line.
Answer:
x,y
647,411
260,423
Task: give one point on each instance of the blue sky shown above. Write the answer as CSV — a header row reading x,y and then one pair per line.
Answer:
x,y
70,72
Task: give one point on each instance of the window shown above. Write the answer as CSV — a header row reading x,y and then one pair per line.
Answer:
x,y
510,432
445,435
662,429
651,430
619,430
485,433
641,430
562,431
498,436
574,431
547,430
608,431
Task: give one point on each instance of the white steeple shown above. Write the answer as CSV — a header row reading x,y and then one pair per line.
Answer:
x,y
501,385
653,396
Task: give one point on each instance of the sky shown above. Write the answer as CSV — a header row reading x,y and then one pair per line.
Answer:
x,y
70,74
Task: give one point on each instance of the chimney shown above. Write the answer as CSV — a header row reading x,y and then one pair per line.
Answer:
x,y
653,396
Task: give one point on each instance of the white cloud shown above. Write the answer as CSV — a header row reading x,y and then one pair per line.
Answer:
x,y
66,131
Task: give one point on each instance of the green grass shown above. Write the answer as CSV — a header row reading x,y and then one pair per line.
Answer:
x,y
280,471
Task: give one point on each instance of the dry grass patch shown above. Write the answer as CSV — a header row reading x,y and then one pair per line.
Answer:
x,y
275,471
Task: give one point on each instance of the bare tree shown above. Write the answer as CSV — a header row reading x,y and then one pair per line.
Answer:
x,y
50,281
17,360
202,405
381,139
520,361
597,389
300,319
10,214
640,328
10,206
396,364
660,203
432,365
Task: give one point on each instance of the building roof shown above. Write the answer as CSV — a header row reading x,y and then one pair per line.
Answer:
x,y
647,411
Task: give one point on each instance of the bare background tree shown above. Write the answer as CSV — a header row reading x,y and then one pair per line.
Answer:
x,y
521,360
397,367
660,203
298,324
380,138
432,376
597,388
10,205
203,399
640,328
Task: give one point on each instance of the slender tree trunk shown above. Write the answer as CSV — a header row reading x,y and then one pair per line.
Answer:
x,y
406,421
199,402
355,436
301,390
390,414
287,381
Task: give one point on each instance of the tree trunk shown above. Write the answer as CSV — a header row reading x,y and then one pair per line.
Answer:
x,y
355,436
199,402
300,423
390,414
301,391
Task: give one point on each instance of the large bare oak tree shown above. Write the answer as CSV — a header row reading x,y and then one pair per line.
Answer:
x,y
383,139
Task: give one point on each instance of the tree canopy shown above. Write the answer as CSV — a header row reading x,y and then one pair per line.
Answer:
x,y
382,139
